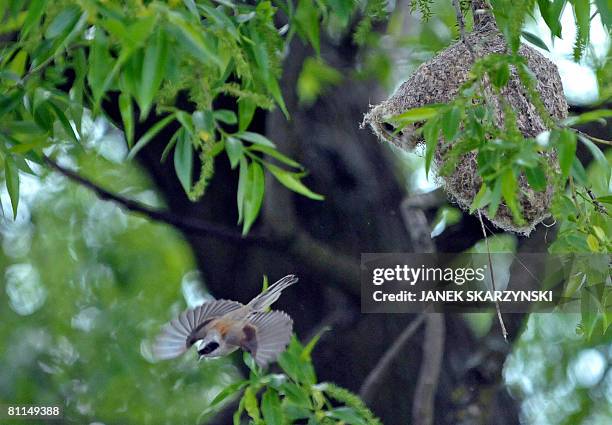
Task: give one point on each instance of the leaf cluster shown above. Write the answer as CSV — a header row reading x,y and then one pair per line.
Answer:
x,y
60,60
293,395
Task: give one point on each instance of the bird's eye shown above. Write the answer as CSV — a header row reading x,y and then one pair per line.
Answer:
x,y
209,348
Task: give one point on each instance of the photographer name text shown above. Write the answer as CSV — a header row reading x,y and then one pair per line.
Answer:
x,y
464,296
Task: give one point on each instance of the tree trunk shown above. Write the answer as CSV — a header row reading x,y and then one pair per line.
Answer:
x,y
324,241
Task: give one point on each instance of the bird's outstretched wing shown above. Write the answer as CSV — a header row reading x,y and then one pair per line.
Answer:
x,y
173,340
267,335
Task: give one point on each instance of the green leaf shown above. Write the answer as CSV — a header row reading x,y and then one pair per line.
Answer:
x,y
566,146
272,152
223,395
183,160
535,40
598,155
496,195
604,7
253,197
450,123
186,121
509,189
582,15
234,149
262,58
18,64
271,408
250,404
315,78
204,121
195,42
414,115
249,360
66,19
600,233
11,173
579,173
35,11
306,18
226,116
100,64
228,392
275,91
190,4
150,134
246,110
347,415
605,199
291,181
536,178
256,138
10,102
593,243
243,187
238,413
138,32
43,114
153,71
500,74
551,12
64,122
482,198
590,308
296,394
127,116
306,352
221,19
431,131
596,115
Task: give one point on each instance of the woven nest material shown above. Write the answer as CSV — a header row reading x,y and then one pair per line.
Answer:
x,y
439,80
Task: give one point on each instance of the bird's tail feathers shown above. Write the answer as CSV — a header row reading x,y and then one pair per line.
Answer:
x,y
269,296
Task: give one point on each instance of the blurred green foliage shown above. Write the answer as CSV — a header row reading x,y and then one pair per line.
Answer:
x,y
316,76
87,287
561,378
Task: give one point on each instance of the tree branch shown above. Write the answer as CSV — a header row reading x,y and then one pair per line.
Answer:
x,y
427,384
433,344
313,253
187,224
375,377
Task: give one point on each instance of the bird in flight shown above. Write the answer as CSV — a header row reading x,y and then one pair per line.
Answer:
x,y
218,328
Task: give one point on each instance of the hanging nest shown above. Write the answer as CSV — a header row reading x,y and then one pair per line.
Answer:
x,y
439,80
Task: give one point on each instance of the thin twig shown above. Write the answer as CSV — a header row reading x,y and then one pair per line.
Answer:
x,y
516,257
497,309
184,223
375,377
593,138
461,24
